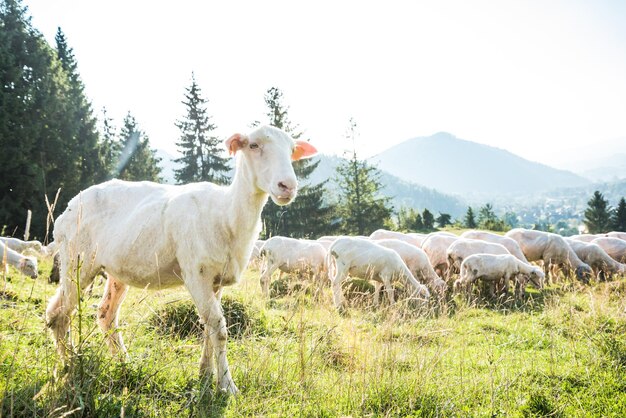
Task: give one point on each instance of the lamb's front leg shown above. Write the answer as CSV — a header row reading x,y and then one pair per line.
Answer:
x,y
207,300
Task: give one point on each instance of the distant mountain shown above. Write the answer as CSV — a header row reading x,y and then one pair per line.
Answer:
x,y
403,193
469,169
598,161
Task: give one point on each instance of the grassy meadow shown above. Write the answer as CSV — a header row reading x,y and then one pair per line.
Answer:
x,y
560,353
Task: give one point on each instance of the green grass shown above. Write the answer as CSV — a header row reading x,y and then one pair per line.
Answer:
x,y
561,353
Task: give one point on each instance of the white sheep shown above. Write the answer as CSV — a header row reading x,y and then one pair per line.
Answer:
x,y
418,263
462,248
255,255
496,268
290,255
584,237
593,255
385,234
21,246
617,234
9,257
550,248
435,247
614,247
365,259
419,237
199,235
509,243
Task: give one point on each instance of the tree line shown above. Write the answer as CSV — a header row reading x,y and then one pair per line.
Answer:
x,y
51,139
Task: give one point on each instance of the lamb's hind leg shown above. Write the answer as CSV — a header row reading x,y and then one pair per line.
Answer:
x,y
108,310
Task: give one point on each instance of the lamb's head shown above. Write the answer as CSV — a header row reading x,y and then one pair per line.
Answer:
x,y
583,273
439,286
537,277
28,266
268,152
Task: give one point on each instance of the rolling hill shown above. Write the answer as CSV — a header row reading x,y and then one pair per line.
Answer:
x,y
403,193
469,169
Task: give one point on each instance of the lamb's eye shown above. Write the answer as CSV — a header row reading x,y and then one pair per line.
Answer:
x,y
254,145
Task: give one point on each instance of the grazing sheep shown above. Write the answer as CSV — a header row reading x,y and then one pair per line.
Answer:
x,y
435,247
552,249
26,265
290,255
614,247
464,247
617,234
418,263
385,234
366,259
593,255
584,237
20,246
419,238
510,244
496,268
199,235
255,256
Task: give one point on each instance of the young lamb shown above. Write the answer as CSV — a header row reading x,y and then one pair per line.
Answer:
x,y
385,234
435,247
464,247
26,265
20,246
552,249
418,263
497,267
290,255
366,259
593,255
199,235
615,247
510,244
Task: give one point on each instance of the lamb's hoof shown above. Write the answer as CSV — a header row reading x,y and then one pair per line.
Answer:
x,y
229,388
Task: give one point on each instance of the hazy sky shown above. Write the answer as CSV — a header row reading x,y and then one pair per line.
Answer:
x,y
528,76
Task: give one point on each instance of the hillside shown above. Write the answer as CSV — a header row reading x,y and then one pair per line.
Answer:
x,y
403,193
597,160
469,169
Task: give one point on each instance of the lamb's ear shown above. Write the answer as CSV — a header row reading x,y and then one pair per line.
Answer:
x,y
235,143
303,150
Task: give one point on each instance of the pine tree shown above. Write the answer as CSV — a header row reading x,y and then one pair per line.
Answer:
x,y
486,215
443,220
362,207
469,221
309,214
33,119
410,220
82,133
110,148
598,214
202,154
429,220
137,160
619,216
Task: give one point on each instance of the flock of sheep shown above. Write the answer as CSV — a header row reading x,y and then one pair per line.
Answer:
x,y
201,235
426,263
